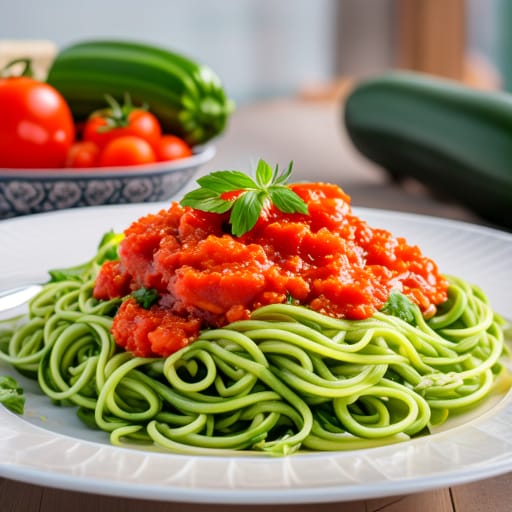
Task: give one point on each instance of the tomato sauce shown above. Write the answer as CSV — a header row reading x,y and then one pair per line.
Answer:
x,y
329,260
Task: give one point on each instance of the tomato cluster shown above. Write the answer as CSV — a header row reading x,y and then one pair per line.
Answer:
x,y
123,135
37,131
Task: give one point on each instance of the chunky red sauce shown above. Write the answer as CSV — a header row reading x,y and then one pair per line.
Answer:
x,y
329,260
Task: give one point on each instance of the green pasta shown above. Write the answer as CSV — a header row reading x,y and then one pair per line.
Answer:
x,y
287,379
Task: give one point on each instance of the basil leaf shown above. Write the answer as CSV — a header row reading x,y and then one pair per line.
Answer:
x,y
108,246
287,200
246,212
206,200
264,174
226,181
68,274
282,178
11,395
401,306
108,238
145,297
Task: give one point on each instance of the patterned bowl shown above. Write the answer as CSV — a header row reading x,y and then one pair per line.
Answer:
x,y
26,191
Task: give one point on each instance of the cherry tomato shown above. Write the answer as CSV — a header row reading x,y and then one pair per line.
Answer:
x,y
170,147
36,125
120,120
127,150
83,154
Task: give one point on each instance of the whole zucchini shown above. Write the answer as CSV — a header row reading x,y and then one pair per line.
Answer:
x,y
453,138
188,98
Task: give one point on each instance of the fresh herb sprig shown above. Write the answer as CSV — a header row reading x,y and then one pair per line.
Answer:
x,y
146,297
401,306
222,191
11,394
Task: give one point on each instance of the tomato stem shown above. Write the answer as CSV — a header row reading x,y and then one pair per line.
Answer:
x,y
118,115
27,69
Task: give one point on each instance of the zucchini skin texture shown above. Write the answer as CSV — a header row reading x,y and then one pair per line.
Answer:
x,y
188,98
454,139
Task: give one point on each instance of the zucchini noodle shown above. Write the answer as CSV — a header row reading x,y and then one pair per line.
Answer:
x,y
289,378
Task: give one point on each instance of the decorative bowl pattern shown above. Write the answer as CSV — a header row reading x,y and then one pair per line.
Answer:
x,y
26,191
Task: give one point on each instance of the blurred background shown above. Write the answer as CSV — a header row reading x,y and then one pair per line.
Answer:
x,y
288,64
263,48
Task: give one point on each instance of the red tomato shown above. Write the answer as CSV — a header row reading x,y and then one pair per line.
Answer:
x,y
83,154
170,147
36,125
127,150
106,125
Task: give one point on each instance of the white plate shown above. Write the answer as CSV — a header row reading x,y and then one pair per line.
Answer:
x,y
49,446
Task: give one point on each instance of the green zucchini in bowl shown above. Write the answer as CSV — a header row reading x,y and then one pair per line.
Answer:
x,y
187,97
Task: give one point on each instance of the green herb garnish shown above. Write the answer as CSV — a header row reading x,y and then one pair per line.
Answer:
x,y
11,395
145,297
108,246
401,306
222,191
68,274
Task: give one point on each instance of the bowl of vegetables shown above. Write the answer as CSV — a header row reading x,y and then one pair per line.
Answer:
x,y
94,133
